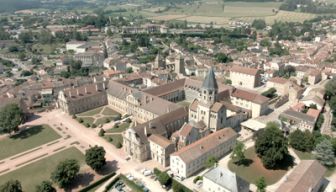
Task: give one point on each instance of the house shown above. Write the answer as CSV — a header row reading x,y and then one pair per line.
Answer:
x,y
280,84
299,120
314,76
252,101
219,179
245,77
308,176
192,158
161,148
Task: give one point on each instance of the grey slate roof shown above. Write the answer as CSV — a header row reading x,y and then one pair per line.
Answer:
x,y
227,179
210,81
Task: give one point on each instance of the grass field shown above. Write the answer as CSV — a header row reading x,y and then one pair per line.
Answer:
x,y
27,139
91,112
115,139
34,173
256,169
304,155
119,129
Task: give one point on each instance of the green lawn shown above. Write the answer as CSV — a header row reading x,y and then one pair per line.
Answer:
x,y
115,139
103,120
34,173
91,112
303,155
256,169
119,129
109,112
27,139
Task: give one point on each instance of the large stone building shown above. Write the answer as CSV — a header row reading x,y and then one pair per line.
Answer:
x,y
82,98
245,77
192,158
207,108
255,103
136,139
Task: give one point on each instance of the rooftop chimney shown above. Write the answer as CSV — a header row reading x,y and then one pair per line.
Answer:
x,y
86,90
70,94
77,92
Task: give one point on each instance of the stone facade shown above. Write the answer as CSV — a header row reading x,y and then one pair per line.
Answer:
x,y
245,77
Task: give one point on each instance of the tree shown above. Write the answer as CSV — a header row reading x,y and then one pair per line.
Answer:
x,y
222,58
65,172
45,186
129,70
11,186
302,141
95,157
325,153
101,132
259,24
11,116
238,153
261,184
164,178
270,93
330,88
271,146
211,161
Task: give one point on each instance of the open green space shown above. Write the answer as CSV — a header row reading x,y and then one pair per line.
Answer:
x,y
303,155
34,173
122,127
255,169
114,139
109,112
27,139
91,112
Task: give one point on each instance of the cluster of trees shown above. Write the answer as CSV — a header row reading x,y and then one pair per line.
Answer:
x,y
259,24
188,45
64,173
223,58
286,72
74,69
324,146
309,6
272,146
278,50
4,35
331,97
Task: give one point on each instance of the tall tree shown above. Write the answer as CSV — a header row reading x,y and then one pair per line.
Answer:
x,y
65,172
11,186
45,186
11,116
325,153
238,153
95,157
272,146
302,141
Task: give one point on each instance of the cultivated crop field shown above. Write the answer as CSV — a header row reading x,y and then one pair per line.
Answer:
x,y
222,13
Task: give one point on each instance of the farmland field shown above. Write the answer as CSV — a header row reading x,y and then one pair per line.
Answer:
x,y
222,14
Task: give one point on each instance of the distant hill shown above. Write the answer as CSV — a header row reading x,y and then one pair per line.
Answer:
x,y
14,5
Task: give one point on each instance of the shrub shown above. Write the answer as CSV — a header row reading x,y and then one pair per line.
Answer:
x,y
197,179
101,133
94,125
119,145
87,125
80,120
107,120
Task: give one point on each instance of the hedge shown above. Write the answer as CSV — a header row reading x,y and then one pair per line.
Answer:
x,y
108,187
95,184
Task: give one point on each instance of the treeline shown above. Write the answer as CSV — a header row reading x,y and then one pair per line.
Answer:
x,y
14,5
308,6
